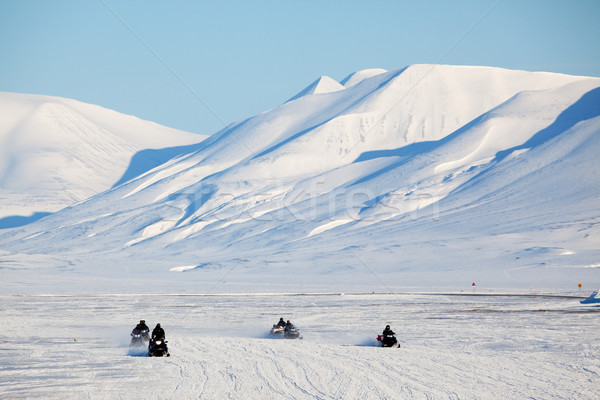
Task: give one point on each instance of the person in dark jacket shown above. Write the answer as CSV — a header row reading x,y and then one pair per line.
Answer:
x,y
142,327
388,339
281,323
288,326
158,333
388,331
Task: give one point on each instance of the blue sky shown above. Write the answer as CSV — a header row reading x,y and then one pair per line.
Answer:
x,y
242,58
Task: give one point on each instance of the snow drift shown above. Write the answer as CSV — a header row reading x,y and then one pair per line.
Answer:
x,y
426,175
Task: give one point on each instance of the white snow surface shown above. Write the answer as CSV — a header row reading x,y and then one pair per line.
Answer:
x,y
458,347
428,176
55,152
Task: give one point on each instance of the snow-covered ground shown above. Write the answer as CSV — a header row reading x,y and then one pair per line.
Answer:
x,y
453,346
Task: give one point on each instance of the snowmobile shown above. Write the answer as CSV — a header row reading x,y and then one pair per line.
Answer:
x,y
388,341
158,348
291,333
139,337
276,330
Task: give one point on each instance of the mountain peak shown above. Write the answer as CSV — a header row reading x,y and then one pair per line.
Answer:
x,y
323,84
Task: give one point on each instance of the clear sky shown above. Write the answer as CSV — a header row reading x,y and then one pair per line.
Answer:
x,y
242,58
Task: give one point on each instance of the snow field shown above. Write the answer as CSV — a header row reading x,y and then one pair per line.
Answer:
x,y
452,347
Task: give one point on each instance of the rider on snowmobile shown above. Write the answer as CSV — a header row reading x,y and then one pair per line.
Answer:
x,y
142,326
388,331
158,333
387,338
288,326
158,344
139,334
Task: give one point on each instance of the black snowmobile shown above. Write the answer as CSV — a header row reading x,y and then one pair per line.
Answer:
x,y
388,341
158,348
139,337
290,332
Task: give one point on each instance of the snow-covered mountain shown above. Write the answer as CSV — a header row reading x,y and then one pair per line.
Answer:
x,y
323,84
423,176
55,152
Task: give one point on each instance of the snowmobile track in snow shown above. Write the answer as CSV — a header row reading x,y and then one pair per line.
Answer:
x,y
219,350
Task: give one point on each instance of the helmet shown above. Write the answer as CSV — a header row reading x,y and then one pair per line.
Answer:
x,y
158,325
142,321
288,321
281,319
387,327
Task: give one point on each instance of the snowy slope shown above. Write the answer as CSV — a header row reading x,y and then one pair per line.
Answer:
x,y
55,152
423,176
358,76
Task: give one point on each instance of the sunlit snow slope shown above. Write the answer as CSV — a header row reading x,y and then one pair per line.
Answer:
x,y
55,152
423,176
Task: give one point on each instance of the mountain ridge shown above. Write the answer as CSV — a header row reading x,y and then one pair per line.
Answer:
x,y
418,164
58,151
